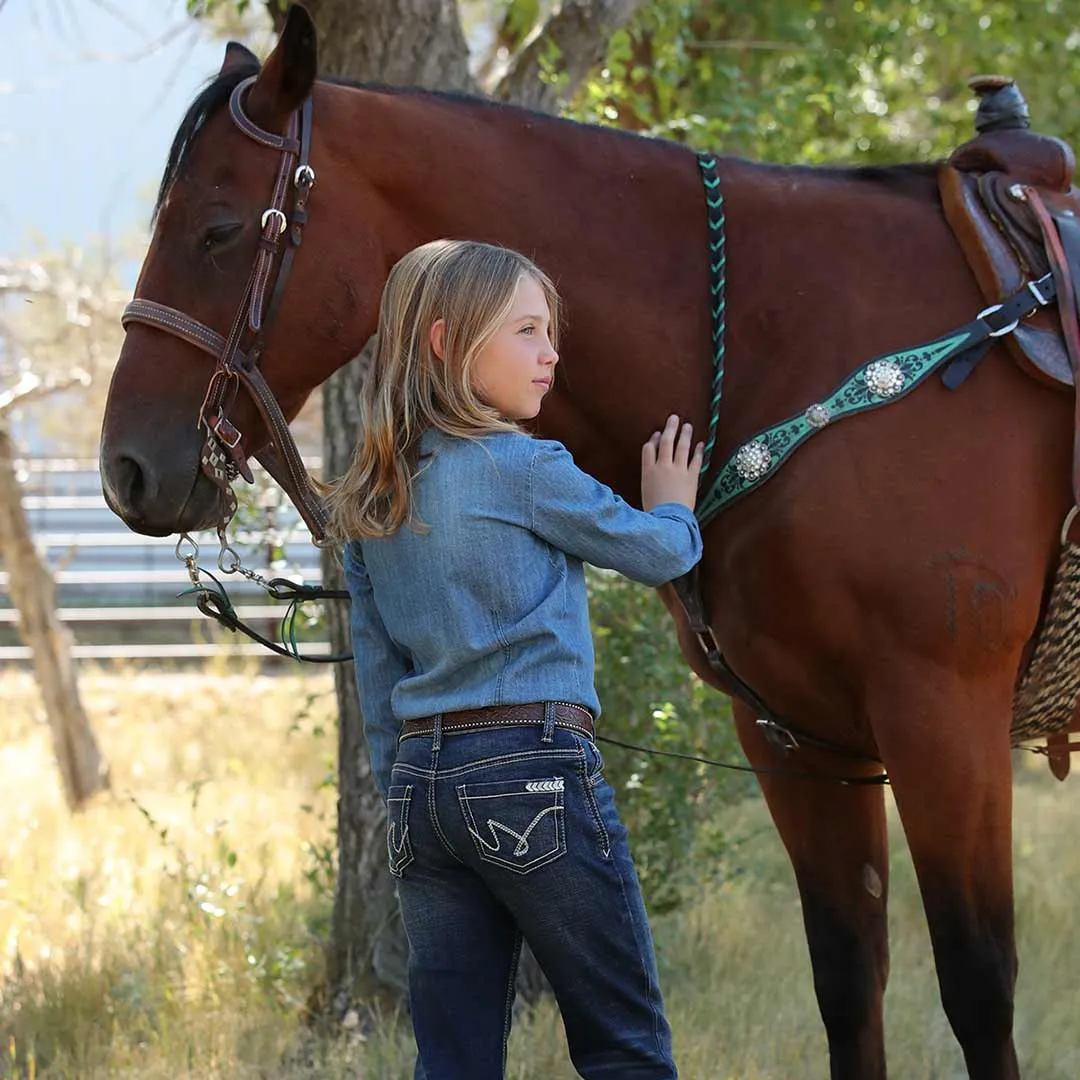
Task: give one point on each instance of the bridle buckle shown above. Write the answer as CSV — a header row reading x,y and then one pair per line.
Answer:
x,y
272,213
229,437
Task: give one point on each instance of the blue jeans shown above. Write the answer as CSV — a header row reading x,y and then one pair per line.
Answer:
x,y
513,832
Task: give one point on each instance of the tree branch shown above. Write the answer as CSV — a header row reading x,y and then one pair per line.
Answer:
x,y
119,15
149,48
572,41
31,387
77,295
22,277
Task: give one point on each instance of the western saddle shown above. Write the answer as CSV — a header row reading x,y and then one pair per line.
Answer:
x,y
994,189
1008,196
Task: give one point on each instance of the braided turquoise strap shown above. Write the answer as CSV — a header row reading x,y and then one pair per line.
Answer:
x,y
714,205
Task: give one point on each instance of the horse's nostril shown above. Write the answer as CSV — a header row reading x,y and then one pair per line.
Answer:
x,y
129,484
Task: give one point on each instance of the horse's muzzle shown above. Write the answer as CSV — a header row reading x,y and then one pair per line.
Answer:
x,y
152,503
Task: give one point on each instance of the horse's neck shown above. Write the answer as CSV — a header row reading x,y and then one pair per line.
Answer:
x,y
617,222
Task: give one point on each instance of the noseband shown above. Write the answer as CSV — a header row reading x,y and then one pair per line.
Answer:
x,y
223,456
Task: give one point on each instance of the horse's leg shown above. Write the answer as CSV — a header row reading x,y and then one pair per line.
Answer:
x,y
836,839
946,746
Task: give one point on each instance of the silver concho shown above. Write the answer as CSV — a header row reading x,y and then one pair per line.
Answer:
x,y
753,460
818,415
884,378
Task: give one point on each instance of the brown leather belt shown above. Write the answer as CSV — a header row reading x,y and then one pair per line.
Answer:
x,y
572,717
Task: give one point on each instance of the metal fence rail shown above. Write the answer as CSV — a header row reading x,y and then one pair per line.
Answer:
x,y
119,592
146,614
177,651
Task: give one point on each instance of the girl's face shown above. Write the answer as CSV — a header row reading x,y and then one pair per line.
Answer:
x,y
515,369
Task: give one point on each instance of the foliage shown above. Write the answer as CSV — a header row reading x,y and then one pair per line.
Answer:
x,y
649,697
814,81
808,81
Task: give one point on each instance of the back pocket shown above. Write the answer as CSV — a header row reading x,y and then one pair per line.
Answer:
x,y
398,845
518,824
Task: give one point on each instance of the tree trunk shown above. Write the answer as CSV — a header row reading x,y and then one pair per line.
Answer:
x,y
367,950
82,769
396,42
407,42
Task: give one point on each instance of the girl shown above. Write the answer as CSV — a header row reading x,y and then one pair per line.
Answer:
x,y
465,543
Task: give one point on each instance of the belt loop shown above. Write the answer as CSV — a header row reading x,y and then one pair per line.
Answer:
x,y
436,734
548,734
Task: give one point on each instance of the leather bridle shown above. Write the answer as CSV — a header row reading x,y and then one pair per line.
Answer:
x,y
223,456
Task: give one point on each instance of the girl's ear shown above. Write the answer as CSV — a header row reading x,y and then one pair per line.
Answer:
x,y
437,336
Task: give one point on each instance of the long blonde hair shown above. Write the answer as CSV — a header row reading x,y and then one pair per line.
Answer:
x,y
471,287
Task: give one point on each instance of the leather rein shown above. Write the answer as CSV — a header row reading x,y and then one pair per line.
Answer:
x,y
223,456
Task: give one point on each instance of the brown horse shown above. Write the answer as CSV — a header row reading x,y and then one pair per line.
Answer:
x,y
879,592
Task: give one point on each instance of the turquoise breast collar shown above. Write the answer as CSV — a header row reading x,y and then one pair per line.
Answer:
x,y
880,381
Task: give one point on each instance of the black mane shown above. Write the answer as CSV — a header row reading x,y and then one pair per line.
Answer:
x,y
211,98
912,177
916,179
909,178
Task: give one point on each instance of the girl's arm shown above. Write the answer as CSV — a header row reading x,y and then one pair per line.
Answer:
x,y
380,666
575,512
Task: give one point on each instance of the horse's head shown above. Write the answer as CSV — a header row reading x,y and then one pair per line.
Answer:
x,y
200,294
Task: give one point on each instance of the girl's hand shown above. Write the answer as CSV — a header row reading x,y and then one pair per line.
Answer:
x,y
669,472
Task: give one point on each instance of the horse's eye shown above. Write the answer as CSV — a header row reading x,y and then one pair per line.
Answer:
x,y
218,235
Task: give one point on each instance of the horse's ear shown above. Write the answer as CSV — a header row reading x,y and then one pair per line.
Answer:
x,y
288,73
238,56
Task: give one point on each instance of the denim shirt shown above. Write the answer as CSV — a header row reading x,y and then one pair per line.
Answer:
x,y
487,606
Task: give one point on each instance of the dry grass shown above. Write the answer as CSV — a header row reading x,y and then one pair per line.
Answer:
x,y
147,931
172,929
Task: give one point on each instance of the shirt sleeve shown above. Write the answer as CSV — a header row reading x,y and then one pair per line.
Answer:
x,y
380,666
575,512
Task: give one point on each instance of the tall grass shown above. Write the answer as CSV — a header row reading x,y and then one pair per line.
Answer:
x,y
172,930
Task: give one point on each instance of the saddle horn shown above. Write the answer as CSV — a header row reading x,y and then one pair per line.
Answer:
x,y
1001,105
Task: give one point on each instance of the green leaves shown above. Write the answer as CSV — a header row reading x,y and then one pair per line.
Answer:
x,y
651,698
200,9
821,82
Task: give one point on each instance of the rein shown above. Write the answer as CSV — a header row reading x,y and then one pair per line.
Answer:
x,y
844,781
223,456
213,601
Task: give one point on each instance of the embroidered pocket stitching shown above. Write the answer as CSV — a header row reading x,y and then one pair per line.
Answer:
x,y
492,851
521,849
399,852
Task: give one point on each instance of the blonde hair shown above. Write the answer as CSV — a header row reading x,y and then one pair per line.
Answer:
x,y
471,287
